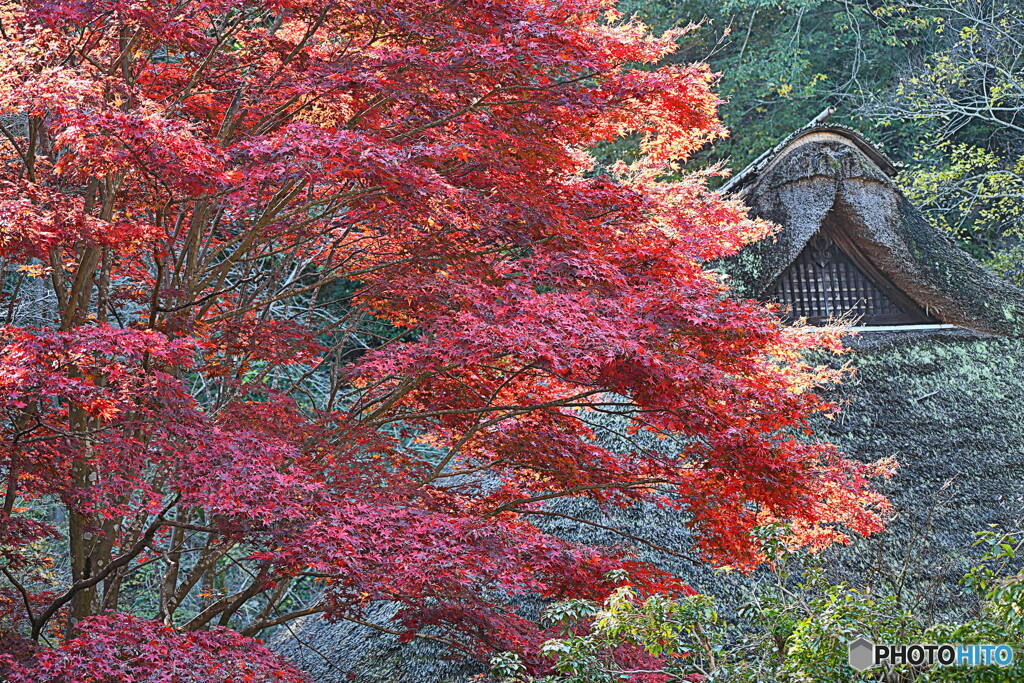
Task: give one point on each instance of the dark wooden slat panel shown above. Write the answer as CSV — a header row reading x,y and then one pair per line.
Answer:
x,y
824,283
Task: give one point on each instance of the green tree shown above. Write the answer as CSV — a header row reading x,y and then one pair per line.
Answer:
x,y
784,61
968,95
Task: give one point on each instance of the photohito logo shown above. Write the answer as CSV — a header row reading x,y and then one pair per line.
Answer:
x,y
865,654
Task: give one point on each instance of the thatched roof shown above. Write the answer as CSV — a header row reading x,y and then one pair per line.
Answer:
x,y
945,403
830,172
345,651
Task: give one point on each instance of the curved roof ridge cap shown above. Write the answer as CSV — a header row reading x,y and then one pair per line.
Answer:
x,y
812,133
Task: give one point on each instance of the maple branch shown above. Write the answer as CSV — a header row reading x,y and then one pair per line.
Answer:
x,y
396,395
286,295
445,119
274,206
310,31
513,410
211,555
395,632
380,100
206,297
463,472
119,561
229,604
172,557
453,451
258,626
77,298
194,78
14,143
24,596
615,530
84,55
124,53
511,506
13,464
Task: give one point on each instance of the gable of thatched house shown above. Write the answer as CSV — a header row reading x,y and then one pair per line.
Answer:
x,y
847,232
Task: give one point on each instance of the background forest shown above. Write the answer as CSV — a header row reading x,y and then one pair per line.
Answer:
x,y
939,84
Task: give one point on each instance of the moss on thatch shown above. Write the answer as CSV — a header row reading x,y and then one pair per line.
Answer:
x,y
949,409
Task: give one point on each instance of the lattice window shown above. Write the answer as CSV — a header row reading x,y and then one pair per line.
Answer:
x,y
825,283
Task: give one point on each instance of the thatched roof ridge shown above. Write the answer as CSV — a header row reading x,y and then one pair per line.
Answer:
x,y
810,133
831,172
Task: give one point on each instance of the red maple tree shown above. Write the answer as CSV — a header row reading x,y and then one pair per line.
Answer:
x,y
311,304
